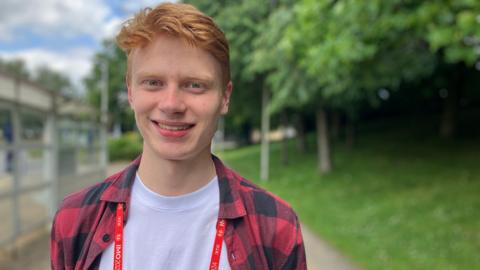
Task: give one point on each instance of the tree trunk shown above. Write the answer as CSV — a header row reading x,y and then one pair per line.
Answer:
x,y
284,138
265,152
246,132
350,133
324,155
450,105
301,138
449,115
336,118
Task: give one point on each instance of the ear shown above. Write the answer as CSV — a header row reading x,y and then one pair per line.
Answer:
x,y
226,98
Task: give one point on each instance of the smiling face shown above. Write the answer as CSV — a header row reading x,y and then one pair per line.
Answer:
x,y
177,95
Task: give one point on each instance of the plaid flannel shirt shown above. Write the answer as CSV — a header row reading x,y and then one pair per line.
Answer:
x,y
262,232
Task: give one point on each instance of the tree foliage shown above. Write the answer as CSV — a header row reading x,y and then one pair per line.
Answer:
x,y
116,63
337,52
42,75
451,27
16,67
242,22
54,80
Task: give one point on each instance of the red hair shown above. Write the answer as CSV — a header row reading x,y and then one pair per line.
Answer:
x,y
179,20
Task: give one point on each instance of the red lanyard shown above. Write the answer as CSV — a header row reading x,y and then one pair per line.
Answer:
x,y
118,243
217,245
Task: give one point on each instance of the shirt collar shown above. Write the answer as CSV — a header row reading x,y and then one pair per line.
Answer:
x,y
231,204
121,183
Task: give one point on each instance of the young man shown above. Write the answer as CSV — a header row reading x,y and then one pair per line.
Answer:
x,y
176,206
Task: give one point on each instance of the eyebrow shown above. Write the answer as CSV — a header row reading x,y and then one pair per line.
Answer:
x,y
146,74
205,79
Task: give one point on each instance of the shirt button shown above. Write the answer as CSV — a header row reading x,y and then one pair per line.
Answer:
x,y
106,237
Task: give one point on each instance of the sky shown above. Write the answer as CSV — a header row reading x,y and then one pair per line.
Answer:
x,y
61,34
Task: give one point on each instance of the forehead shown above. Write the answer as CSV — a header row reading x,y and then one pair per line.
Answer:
x,y
166,55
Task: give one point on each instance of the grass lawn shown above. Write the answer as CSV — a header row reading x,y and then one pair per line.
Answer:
x,y
395,201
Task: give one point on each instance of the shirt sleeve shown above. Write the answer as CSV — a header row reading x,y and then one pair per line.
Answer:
x,y
56,248
296,259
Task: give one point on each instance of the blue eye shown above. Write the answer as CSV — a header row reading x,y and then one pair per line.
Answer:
x,y
152,83
195,86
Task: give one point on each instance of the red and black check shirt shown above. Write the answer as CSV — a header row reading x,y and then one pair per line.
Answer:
x,y
262,231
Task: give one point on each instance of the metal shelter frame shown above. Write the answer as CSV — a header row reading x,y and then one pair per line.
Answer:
x,y
18,96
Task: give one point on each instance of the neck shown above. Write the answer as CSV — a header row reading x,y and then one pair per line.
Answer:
x,y
176,177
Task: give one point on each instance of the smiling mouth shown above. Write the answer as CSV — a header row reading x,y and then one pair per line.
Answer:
x,y
175,127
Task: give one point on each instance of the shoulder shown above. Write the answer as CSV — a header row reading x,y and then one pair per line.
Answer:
x,y
261,206
272,224
259,201
111,188
80,208
244,197
86,196
81,214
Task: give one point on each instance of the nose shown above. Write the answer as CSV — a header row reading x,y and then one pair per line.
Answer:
x,y
172,101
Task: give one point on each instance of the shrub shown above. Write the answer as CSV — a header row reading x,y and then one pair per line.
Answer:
x,y
126,147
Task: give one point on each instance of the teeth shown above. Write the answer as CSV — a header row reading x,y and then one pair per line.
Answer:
x,y
174,128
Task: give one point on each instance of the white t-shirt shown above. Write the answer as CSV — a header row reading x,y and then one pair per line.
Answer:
x,y
165,232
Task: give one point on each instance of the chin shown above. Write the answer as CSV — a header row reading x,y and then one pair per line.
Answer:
x,y
174,153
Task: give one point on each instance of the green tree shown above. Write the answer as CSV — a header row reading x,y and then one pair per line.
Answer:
x,y
242,22
54,81
350,49
15,67
452,30
115,60
43,76
283,76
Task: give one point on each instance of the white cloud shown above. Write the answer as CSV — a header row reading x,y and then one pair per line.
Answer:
x,y
112,27
75,63
57,18
131,7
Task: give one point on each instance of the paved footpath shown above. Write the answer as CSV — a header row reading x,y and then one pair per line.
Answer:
x,y
321,256
34,255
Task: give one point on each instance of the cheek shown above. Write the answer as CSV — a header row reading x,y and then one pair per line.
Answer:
x,y
142,103
210,109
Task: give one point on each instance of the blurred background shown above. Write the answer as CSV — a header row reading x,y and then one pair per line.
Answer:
x,y
363,115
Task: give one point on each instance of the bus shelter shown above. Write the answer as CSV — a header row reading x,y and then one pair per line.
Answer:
x,y
49,146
